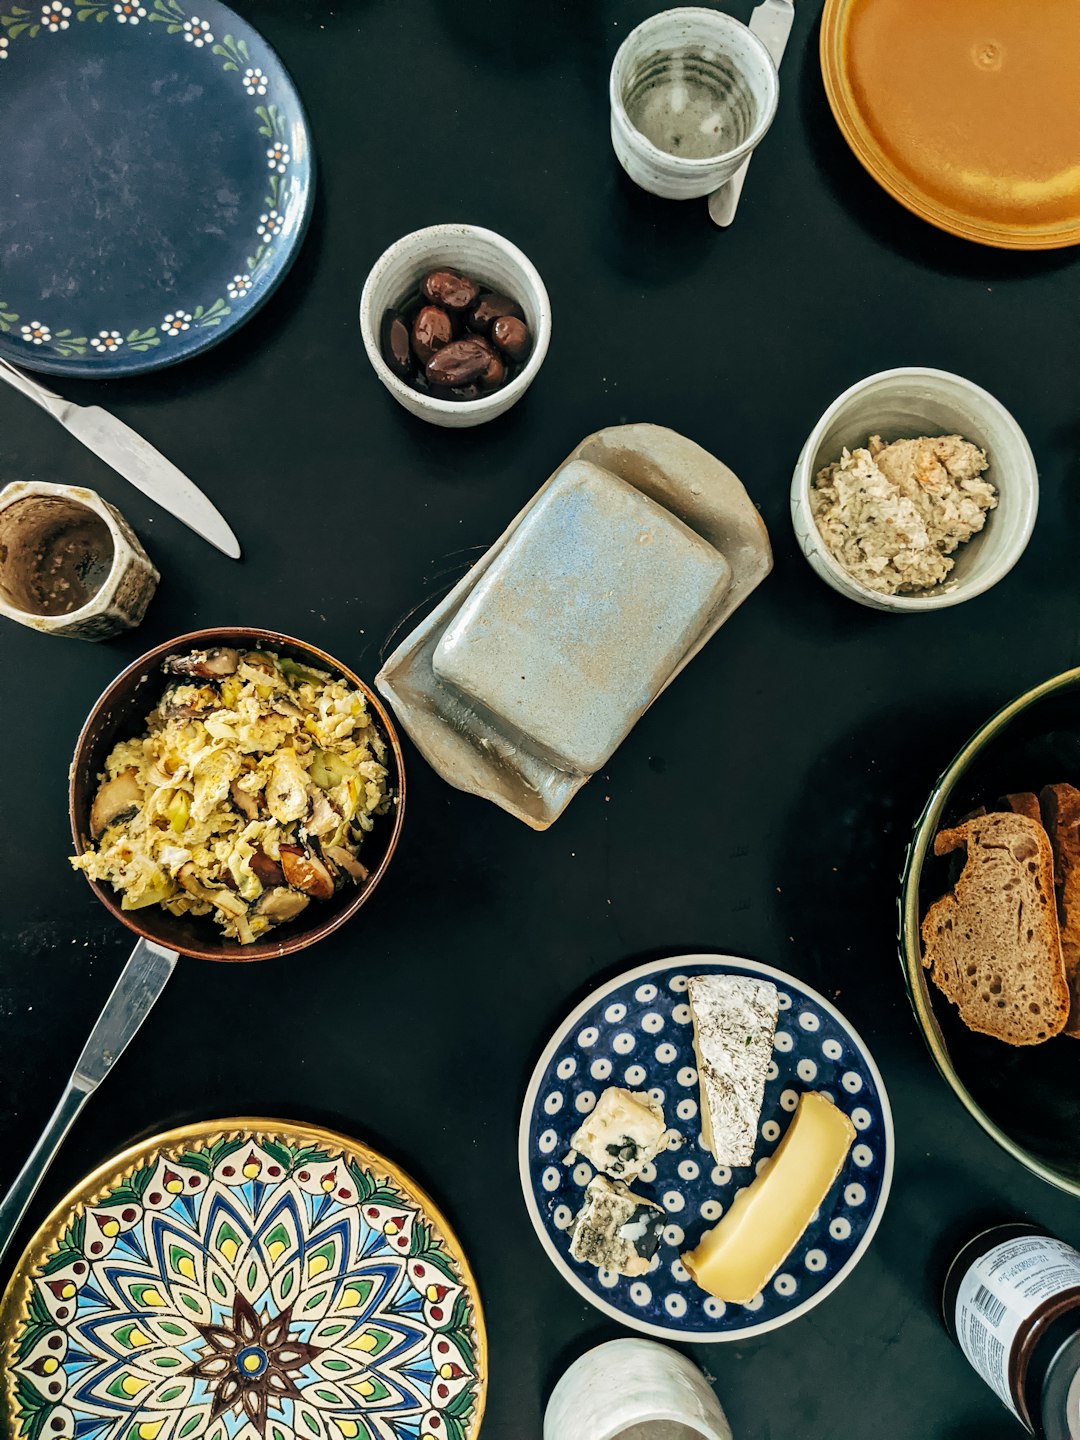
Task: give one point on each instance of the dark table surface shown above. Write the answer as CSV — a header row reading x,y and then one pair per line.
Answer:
x,y
760,808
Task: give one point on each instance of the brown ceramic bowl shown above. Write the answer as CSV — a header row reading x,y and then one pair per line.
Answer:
x,y
121,713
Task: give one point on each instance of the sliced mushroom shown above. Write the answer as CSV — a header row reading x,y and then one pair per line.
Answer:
x,y
306,872
281,905
347,861
117,798
245,803
268,871
206,664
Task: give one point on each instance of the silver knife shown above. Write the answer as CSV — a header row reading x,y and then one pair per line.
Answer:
x,y
771,22
141,982
132,457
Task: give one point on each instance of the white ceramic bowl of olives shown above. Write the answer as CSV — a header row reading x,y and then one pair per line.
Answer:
x,y
436,305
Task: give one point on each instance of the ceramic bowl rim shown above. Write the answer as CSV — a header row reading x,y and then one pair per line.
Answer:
x,y
671,1333
694,165
48,490
937,599
498,400
909,919
293,940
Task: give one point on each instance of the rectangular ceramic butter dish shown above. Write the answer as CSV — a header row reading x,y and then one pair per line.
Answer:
x,y
596,619
579,621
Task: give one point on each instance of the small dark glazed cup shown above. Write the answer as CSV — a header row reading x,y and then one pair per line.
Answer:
x,y
120,714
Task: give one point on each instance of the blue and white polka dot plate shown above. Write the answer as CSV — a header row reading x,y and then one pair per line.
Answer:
x,y
636,1031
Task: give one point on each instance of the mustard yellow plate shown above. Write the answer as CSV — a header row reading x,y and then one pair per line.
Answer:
x,y
966,111
243,1280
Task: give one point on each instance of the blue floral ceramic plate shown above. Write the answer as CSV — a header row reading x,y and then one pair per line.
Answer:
x,y
243,1280
158,176
636,1031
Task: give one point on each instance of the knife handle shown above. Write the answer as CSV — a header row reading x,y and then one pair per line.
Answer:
x,y
56,405
25,1186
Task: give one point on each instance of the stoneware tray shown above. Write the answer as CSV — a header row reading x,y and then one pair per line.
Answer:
x,y
463,738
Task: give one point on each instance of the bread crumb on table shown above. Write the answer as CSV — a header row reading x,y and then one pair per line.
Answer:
x,y
892,515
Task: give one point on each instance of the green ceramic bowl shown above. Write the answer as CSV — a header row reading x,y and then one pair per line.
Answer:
x,y
1028,1097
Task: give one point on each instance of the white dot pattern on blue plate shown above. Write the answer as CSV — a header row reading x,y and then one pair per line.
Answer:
x,y
666,1053
623,1050
585,1102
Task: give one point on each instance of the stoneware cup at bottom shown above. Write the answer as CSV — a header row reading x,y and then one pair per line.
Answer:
x,y
489,259
622,1387
906,404
696,79
58,540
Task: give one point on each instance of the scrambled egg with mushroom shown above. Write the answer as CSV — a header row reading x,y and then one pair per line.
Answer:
x,y
248,797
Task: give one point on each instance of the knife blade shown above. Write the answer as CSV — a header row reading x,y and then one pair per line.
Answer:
x,y
132,457
141,982
771,22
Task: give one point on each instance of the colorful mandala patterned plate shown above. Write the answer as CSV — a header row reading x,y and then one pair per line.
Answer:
x,y
244,1280
636,1031
158,177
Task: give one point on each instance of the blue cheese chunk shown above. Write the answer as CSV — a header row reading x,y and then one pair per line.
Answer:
x,y
734,1024
616,1229
623,1133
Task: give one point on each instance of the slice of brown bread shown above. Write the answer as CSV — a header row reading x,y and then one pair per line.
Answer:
x,y
1023,802
992,945
1061,816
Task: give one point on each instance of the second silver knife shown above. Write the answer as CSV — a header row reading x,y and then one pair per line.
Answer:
x,y
134,458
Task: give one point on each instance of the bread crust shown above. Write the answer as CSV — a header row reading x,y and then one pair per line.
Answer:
x,y
992,944
1060,807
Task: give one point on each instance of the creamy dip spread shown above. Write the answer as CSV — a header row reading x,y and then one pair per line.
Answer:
x,y
892,515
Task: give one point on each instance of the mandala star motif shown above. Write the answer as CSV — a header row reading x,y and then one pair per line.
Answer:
x,y
251,1362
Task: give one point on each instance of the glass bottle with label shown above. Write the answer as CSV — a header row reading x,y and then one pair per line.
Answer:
x,y
1012,1304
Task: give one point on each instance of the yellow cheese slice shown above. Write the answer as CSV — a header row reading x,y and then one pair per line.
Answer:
x,y
737,1258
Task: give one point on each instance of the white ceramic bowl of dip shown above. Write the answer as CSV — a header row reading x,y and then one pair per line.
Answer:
x,y
905,404
484,256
